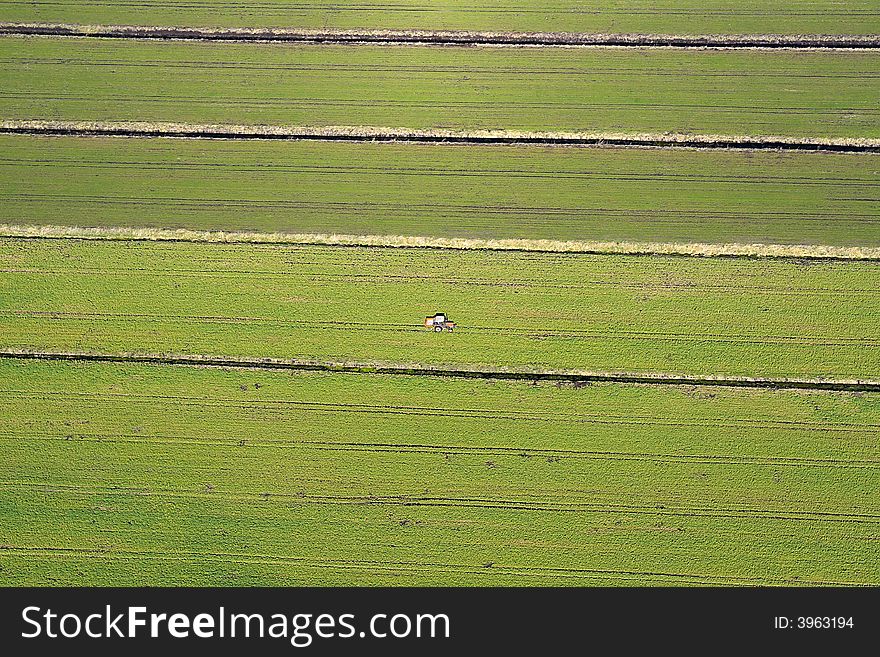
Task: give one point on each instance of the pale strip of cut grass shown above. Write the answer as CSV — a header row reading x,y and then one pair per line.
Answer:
x,y
428,37
231,131
404,241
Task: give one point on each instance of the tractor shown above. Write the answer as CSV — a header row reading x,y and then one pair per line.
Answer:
x,y
439,322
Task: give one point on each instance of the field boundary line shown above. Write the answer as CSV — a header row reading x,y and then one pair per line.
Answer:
x,y
651,378
436,136
696,249
447,37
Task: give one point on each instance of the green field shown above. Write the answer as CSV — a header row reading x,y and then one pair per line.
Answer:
x,y
180,472
518,310
792,94
642,16
489,192
210,476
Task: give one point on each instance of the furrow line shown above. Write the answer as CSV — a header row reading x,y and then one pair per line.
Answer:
x,y
465,413
404,566
406,500
792,290
394,170
537,331
378,448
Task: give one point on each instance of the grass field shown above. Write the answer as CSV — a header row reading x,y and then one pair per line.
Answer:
x,y
166,472
643,16
518,310
800,94
488,192
210,476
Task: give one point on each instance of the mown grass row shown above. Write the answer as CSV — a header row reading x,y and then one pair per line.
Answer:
x,y
265,478
364,36
802,94
659,16
515,310
485,192
698,249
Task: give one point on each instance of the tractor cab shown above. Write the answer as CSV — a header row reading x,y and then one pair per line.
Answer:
x,y
439,322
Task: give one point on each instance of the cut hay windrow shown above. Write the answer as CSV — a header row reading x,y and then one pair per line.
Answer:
x,y
443,136
820,252
447,37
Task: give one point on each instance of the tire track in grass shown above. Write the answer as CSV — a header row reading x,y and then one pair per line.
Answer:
x,y
369,447
531,332
377,69
75,127
505,174
792,290
781,515
414,209
407,566
427,411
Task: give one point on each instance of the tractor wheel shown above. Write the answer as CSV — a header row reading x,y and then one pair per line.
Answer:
x,y
450,329
438,329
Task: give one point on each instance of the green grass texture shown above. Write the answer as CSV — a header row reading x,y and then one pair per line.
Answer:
x,y
515,310
486,192
789,94
207,476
